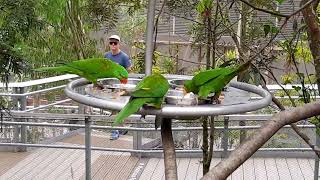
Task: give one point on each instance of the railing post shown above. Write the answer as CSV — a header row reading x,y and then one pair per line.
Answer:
x,y
225,136
88,147
16,130
81,107
20,133
23,106
137,139
316,162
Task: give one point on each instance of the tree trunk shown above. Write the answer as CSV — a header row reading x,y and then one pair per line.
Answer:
x,y
168,150
310,18
205,145
259,138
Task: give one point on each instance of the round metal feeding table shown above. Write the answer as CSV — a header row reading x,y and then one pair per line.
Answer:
x,y
168,111
176,110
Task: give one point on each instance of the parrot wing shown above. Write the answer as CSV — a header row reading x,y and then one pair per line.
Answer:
x,y
205,76
131,107
151,86
217,84
150,90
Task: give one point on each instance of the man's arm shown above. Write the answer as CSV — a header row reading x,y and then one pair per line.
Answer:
x,y
128,63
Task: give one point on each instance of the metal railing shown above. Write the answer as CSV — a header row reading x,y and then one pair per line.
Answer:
x,y
20,114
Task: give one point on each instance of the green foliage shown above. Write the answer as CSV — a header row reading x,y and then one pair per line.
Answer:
x,y
161,64
47,32
270,29
131,27
52,11
280,1
182,6
102,13
231,54
288,78
17,19
203,6
11,63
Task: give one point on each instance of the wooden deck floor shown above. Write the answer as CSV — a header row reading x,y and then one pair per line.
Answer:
x,y
63,164
253,169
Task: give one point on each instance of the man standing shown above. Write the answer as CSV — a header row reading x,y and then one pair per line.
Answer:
x,y
116,54
121,58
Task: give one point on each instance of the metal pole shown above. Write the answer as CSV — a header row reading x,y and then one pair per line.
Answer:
x,y
87,147
316,162
149,38
23,105
137,139
16,132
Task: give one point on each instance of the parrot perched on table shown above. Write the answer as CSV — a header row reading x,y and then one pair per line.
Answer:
x,y
213,80
92,69
150,90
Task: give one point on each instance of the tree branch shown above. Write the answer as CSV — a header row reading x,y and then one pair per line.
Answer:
x,y
264,10
279,14
306,139
261,136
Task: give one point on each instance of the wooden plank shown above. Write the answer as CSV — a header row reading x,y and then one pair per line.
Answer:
x,y
76,168
128,168
29,164
80,172
44,163
271,168
182,168
16,168
294,169
66,165
283,169
193,169
311,162
158,173
148,171
306,168
248,169
259,168
11,159
43,174
200,168
117,167
96,165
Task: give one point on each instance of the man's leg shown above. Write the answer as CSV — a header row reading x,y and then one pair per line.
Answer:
x,y
114,135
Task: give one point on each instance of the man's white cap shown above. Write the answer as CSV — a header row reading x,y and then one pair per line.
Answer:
x,y
115,37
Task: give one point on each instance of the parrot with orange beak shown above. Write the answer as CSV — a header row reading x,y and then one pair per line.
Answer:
x,y
213,80
92,69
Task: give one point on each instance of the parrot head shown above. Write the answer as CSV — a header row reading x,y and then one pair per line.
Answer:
x,y
122,74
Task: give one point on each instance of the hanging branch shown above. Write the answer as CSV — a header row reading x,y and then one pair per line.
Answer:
x,y
259,138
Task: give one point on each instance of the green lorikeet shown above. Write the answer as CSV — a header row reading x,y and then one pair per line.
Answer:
x,y
150,90
92,69
213,80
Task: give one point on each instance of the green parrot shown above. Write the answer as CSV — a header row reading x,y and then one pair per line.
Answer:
x,y
92,69
150,90
213,80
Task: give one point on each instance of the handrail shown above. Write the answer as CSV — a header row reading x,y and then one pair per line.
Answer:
x,y
138,129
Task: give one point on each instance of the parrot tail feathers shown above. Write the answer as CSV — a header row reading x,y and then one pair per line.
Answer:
x,y
131,107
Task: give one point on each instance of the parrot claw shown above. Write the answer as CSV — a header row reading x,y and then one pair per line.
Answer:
x,y
143,116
